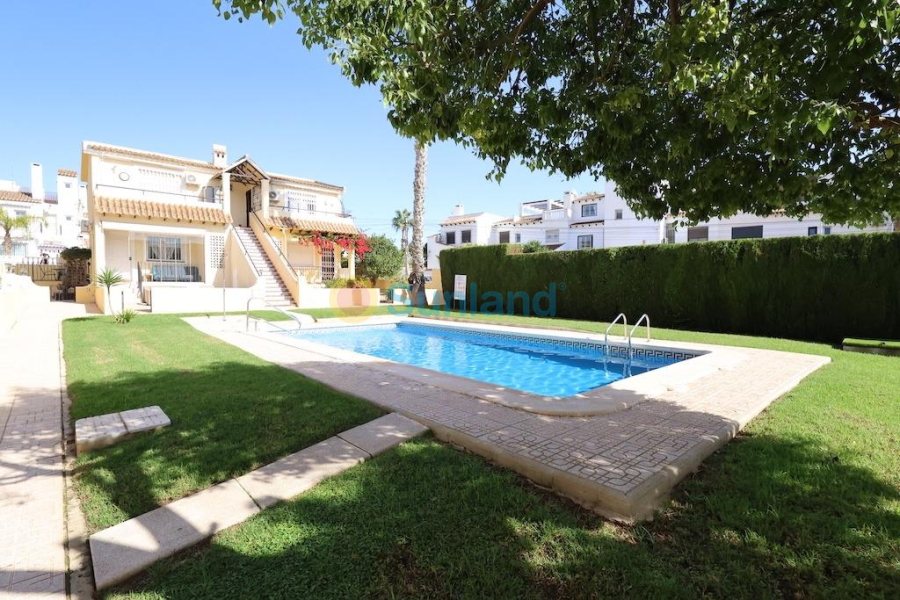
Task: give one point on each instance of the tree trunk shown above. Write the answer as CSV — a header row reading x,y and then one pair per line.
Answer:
x,y
7,243
417,278
404,246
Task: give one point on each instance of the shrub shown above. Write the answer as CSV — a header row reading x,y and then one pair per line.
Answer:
x,y
125,316
533,247
348,283
818,288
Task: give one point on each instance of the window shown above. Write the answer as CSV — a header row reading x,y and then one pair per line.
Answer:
x,y
552,236
585,241
698,234
812,231
451,238
21,213
465,236
164,248
743,233
68,185
827,230
618,214
18,249
588,210
518,238
504,237
210,193
670,233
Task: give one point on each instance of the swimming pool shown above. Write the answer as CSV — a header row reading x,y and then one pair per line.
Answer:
x,y
534,364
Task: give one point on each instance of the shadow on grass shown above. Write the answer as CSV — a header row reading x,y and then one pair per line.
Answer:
x,y
227,418
426,521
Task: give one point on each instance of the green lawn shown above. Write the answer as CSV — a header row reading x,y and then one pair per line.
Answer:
x,y
230,411
804,504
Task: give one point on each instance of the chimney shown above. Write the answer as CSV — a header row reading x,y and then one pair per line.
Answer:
x,y
220,156
37,181
458,211
569,198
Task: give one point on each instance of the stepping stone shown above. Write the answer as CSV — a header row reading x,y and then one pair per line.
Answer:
x,y
299,472
144,419
130,547
383,433
98,432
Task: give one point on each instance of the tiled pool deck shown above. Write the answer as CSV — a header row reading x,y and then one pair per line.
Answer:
x,y
622,464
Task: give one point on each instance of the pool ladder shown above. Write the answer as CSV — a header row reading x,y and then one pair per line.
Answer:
x,y
644,318
292,316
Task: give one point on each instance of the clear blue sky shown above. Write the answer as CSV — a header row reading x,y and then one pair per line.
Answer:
x,y
173,77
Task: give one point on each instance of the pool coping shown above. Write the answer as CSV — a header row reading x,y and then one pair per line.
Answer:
x,y
675,434
619,395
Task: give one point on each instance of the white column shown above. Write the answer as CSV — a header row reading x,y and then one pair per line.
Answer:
x,y
264,190
226,193
351,259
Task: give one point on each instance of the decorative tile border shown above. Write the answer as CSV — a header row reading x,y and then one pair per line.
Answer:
x,y
613,350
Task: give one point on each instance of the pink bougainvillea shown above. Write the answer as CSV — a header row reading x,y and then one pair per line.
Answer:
x,y
323,241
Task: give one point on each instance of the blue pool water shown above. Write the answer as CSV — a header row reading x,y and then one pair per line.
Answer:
x,y
538,366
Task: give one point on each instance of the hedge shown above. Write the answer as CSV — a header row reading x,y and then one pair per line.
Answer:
x,y
822,288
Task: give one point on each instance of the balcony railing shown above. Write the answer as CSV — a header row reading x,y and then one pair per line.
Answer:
x,y
298,209
143,193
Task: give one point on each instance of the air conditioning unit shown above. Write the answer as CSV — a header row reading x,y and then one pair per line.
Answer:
x,y
191,179
273,197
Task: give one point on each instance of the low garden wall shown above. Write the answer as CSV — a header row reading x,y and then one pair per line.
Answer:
x,y
18,292
818,288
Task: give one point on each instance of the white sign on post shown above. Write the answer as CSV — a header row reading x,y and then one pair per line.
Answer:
x,y
459,288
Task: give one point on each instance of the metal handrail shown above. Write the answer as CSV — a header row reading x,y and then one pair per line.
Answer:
x,y
246,252
614,321
275,245
644,317
292,316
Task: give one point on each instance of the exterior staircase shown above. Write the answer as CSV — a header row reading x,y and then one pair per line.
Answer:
x,y
276,291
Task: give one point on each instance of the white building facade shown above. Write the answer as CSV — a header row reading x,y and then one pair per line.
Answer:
x,y
195,235
58,219
604,220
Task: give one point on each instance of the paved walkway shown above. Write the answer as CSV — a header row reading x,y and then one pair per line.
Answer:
x,y
32,507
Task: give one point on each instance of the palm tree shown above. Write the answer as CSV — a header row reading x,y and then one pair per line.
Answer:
x,y
9,222
108,278
417,279
401,222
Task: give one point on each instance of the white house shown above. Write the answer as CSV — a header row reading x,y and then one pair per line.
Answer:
x,y
199,235
604,220
458,229
58,217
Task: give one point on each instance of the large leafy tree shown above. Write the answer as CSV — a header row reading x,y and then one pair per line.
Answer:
x,y
701,106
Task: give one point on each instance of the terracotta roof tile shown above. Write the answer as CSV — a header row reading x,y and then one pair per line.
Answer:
x,y
586,223
462,219
17,197
175,160
67,173
312,225
160,210
521,221
310,182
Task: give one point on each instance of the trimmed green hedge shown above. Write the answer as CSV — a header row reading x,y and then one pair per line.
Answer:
x,y
820,288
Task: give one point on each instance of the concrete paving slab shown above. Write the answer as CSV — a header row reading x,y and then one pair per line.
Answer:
x,y
105,430
98,432
383,433
297,473
130,547
144,419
